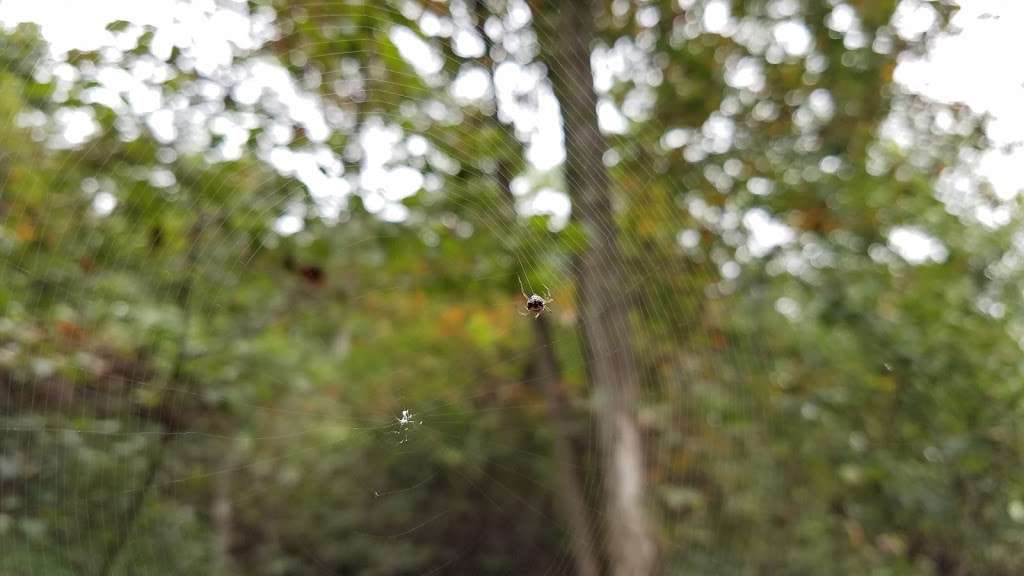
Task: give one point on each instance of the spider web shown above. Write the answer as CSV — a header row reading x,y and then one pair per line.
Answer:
x,y
311,395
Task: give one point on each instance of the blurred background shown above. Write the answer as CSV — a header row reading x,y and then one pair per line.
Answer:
x,y
263,263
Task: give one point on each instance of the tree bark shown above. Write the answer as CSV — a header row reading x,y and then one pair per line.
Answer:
x,y
606,325
221,512
574,502
574,505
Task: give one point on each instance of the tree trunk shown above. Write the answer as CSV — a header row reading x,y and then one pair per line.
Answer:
x,y
574,505
223,525
606,323
573,499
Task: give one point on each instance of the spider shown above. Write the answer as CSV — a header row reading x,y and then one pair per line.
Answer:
x,y
405,419
535,304
404,423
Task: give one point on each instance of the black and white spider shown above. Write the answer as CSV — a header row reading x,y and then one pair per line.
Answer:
x,y
535,303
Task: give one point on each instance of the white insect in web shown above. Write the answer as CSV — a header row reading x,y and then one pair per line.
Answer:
x,y
404,423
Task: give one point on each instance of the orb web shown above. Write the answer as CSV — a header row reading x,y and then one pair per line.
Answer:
x,y
261,311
